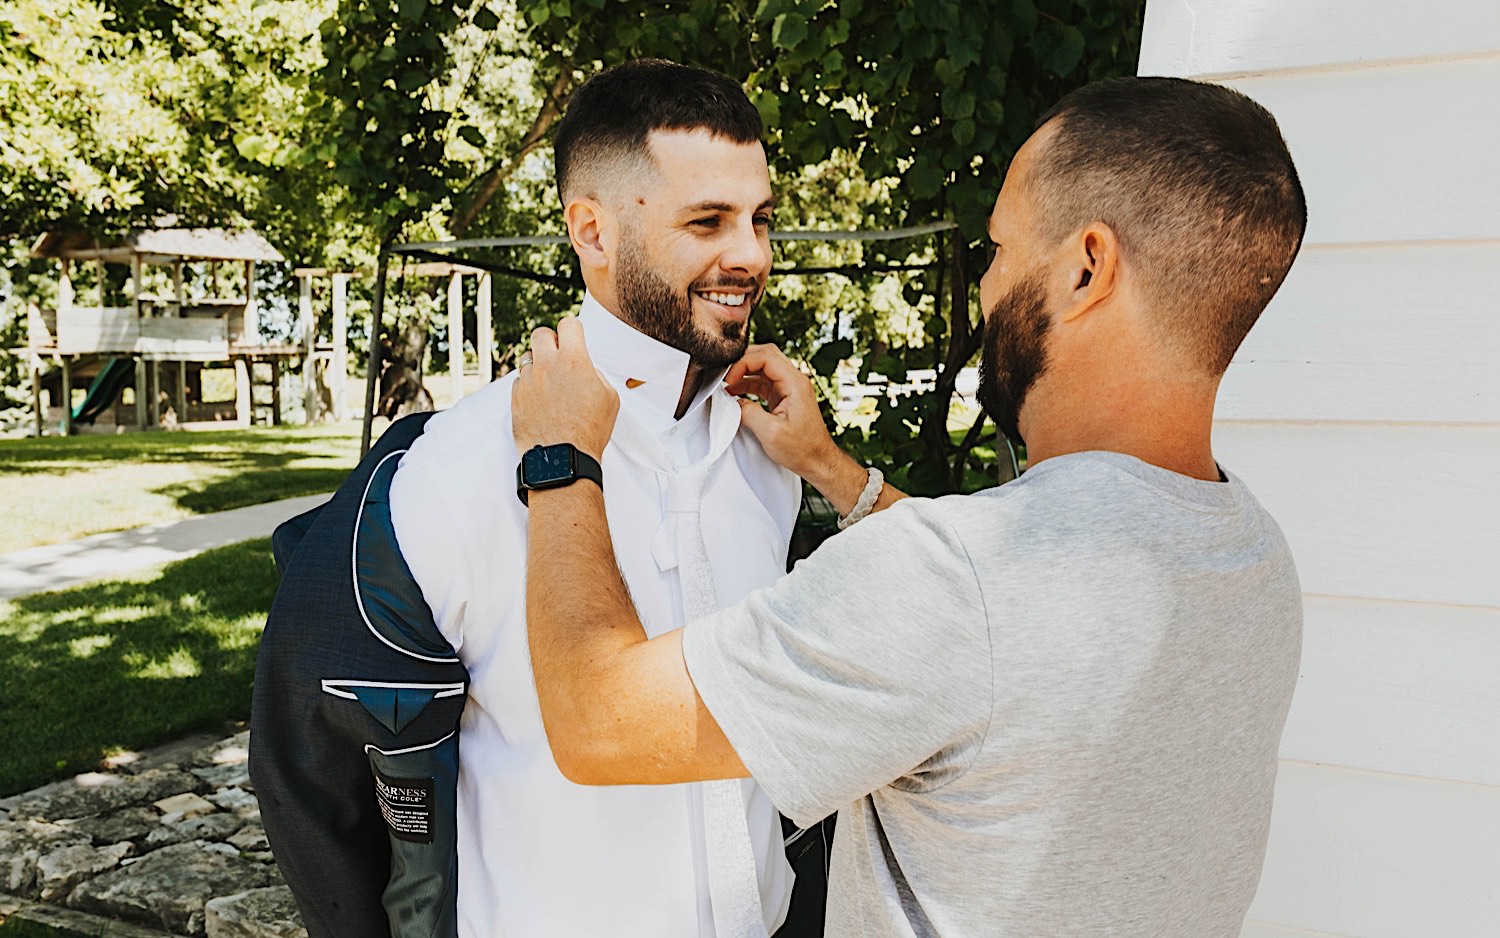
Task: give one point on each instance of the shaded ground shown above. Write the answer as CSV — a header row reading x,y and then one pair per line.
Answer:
x,y
125,664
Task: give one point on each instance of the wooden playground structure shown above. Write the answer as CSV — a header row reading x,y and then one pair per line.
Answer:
x,y
186,302
160,307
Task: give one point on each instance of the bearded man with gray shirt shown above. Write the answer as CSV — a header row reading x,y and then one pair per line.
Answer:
x,y
1050,708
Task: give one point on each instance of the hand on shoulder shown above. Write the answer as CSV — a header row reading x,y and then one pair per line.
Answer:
x,y
559,397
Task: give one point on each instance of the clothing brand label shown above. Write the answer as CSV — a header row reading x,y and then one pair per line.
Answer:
x,y
406,804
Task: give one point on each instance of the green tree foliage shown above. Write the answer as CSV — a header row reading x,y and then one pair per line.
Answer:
x,y
90,135
116,115
933,96
252,66
379,107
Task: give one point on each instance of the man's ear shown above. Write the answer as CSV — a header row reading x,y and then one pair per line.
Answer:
x,y
589,231
1093,269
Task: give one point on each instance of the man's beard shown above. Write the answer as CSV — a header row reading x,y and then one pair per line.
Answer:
x,y
654,307
1015,353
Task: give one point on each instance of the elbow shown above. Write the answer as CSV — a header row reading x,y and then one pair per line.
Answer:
x,y
587,732
582,746
579,770
571,768
584,760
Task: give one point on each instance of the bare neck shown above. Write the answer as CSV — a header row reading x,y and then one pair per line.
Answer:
x,y
690,384
1161,423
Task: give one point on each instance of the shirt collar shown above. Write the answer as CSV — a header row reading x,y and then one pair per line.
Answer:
x,y
622,353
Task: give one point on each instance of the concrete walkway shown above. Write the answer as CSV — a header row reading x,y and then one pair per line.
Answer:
x,y
55,566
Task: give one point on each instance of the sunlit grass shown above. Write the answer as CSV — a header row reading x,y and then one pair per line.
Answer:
x,y
60,488
129,663
86,646
179,663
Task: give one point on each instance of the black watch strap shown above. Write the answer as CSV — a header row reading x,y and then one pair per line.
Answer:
x,y
587,467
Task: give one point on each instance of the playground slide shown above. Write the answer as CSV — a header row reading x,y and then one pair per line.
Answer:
x,y
105,389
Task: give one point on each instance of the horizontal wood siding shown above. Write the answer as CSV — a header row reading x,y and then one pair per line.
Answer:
x,y
1376,333
1403,512
1408,688
198,339
82,330
1370,854
1398,153
1364,412
1232,37
1255,929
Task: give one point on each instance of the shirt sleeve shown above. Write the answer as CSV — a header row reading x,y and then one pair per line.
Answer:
x,y
429,534
868,664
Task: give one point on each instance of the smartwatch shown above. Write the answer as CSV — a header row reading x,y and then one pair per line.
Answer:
x,y
550,467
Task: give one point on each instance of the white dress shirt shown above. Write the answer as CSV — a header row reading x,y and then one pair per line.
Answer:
x,y
539,855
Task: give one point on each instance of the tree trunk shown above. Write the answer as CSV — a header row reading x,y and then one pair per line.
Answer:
x,y
377,320
401,389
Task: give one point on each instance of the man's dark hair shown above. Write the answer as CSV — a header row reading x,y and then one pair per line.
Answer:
x,y
1199,187
610,117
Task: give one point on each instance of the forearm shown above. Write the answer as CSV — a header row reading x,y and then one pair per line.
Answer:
x,y
618,709
580,617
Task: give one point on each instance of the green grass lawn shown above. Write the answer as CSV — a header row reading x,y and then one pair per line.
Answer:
x,y
57,489
123,664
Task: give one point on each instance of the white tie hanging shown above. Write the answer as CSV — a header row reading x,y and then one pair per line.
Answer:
x,y
734,887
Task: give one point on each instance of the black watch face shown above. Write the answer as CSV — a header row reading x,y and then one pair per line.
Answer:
x,y
542,466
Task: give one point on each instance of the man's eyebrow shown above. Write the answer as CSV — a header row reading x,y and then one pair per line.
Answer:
x,y
714,206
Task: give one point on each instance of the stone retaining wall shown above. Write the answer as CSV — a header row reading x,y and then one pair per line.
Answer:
x,y
169,841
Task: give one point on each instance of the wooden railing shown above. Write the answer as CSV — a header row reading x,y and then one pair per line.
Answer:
x,y
83,330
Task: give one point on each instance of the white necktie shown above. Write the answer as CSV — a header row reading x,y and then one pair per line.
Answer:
x,y
734,887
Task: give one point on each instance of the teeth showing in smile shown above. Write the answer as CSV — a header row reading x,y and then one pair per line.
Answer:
x,y
726,299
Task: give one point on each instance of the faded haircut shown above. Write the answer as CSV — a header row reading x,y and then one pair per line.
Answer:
x,y
1199,187
610,117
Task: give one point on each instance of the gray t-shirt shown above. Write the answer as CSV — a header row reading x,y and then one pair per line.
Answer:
x,y
1051,708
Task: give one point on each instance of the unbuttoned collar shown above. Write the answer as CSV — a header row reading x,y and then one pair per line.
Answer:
x,y
622,353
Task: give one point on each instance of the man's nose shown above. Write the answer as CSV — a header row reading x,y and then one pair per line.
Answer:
x,y
748,250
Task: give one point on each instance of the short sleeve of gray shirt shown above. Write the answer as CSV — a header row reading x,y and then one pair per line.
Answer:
x,y
869,665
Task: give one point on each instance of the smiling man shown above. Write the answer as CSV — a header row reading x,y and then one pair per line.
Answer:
x,y
1048,708
667,200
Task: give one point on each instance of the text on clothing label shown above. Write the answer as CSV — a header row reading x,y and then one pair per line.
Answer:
x,y
406,804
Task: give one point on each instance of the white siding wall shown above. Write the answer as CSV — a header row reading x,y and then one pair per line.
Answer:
x,y
1364,411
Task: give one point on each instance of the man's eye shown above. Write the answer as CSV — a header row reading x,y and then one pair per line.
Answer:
x,y
711,222
763,221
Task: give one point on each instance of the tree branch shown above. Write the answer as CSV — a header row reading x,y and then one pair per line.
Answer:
x,y
971,439
490,181
851,270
